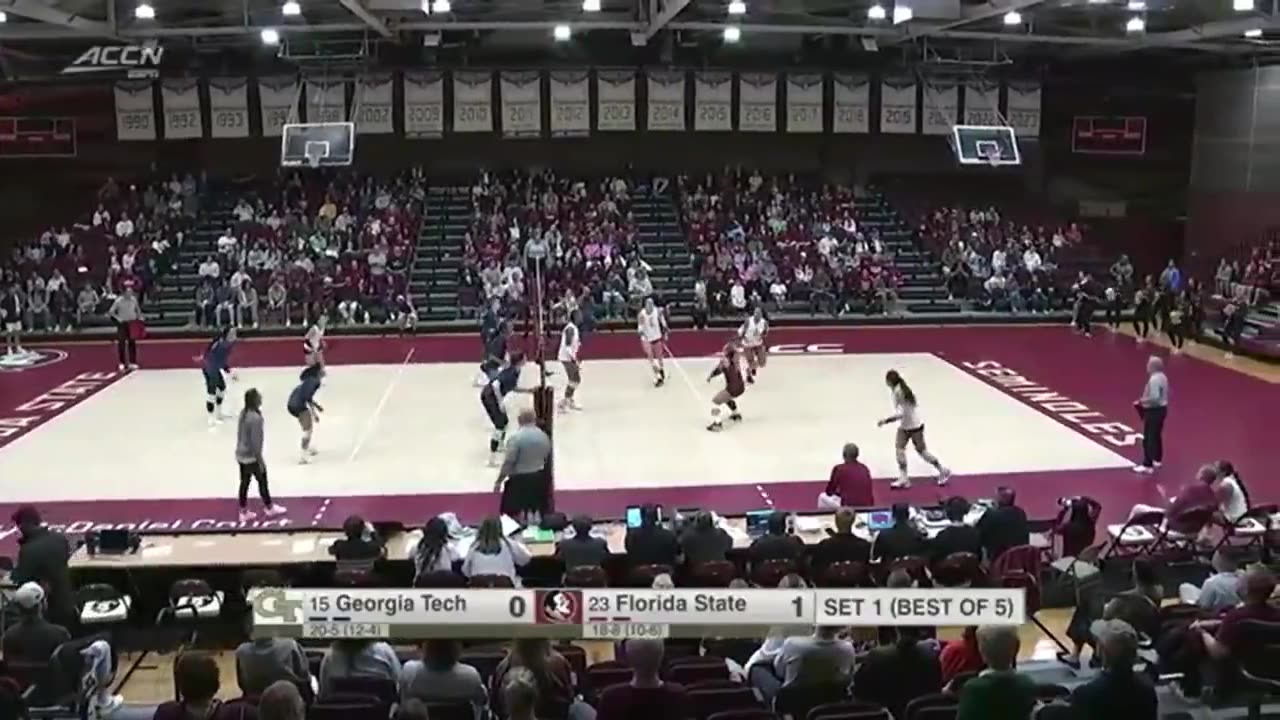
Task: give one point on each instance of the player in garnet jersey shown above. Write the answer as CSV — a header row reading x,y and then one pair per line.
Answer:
x,y
731,368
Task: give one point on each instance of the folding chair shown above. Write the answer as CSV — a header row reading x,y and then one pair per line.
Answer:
x,y
1141,534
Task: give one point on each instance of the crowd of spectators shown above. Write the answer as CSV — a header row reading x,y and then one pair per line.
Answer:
x,y
334,243
997,263
781,240
580,234
68,275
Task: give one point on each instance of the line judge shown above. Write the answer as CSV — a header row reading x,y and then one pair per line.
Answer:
x,y
1153,408
526,490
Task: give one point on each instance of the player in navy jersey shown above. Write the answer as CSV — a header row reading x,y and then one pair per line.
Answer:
x,y
302,405
216,364
503,383
730,366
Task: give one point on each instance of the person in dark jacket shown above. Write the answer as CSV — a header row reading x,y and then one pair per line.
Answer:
x,y
42,558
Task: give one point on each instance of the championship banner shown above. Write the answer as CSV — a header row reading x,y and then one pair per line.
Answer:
x,y
897,106
666,100
473,101
570,103
1023,108
616,100
521,103
940,107
180,100
373,101
850,103
804,103
229,107
424,104
982,103
278,97
326,101
758,102
713,102
135,110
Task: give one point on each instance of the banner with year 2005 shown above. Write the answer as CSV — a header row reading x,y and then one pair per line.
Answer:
x,y
472,101
229,107
424,104
850,103
897,106
326,101
180,99
666,100
372,105
713,102
616,100
804,103
570,103
758,102
278,98
135,110
982,103
1023,108
521,103
940,100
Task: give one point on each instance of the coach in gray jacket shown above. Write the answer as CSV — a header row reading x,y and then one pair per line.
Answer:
x,y
523,477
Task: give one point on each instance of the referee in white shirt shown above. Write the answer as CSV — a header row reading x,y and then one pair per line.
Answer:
x,y
1153,408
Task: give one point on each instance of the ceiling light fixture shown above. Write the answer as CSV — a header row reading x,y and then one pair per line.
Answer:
x,y
1013,17
144,11
590,5
561,33
901,14
1242,5
1135,25
291,9
732,34
737,7
441,7
876,12
1254,33
270,36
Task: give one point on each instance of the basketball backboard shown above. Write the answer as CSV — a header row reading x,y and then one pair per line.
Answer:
x,y
317,144
993,145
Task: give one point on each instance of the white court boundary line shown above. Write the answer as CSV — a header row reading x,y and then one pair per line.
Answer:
x,y
372,422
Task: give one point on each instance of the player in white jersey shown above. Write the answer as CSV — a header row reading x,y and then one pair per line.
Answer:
x,y
313,342
910,429
752,334
570,345
652,326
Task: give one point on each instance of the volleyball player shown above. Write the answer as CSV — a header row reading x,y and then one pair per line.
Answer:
x,y
303,406
910,429
313,341
652,326
216,362
570,346
505,382
752,334
730,367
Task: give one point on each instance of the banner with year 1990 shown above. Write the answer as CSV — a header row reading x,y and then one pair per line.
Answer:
x,y
180,98
424,103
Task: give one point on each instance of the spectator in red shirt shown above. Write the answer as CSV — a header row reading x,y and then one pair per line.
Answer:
x,y
647,696
850,484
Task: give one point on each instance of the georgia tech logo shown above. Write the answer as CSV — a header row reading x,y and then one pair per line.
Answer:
x,y
560,607
273,604
29,359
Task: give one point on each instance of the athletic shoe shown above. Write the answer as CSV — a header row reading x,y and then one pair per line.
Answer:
x,y
277,509
246,515
1143,469
901,484
944,476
